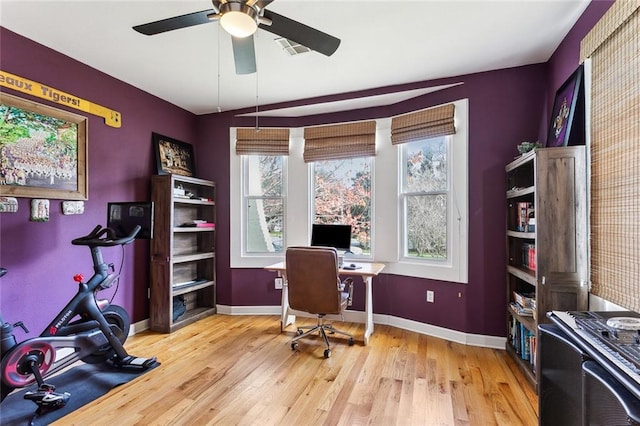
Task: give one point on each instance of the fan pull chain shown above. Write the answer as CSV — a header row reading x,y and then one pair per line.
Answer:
x,y
218,92
257,101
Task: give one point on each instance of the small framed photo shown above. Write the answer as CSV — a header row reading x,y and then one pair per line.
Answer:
x,y
173,156
564,110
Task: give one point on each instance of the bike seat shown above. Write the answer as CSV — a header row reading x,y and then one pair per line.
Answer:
x,y
3,272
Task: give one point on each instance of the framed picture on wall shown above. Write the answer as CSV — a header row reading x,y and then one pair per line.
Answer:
x,y
173,156
564,110
43,151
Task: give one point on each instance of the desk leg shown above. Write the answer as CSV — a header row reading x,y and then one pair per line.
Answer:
x,y
285,318
368,309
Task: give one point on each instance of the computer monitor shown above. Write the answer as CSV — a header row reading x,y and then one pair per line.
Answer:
x,y
123,217
337,236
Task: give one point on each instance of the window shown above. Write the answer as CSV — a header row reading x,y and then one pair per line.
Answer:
x,y
264,205
430,196
383,190
342,195
424,198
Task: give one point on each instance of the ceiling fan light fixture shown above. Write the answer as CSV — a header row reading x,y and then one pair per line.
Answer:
x,y
238,19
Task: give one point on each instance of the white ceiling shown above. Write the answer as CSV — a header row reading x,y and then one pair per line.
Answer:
x,y
384,43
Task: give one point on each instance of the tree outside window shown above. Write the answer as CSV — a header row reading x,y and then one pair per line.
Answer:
x,y
343,196
425,191
264,203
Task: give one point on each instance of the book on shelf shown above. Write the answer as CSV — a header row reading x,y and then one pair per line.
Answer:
x,y
187,283
189,196
525,211
197,223
523,341
521,310
526,300
529,256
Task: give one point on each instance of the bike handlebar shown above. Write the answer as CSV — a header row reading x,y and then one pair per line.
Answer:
x,y
105,237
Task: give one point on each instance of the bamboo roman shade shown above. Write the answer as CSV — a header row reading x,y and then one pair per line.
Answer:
x,y
340,141
427,123
614,48
266,141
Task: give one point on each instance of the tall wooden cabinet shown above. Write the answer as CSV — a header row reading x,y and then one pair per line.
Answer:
x,y
547,234
182,251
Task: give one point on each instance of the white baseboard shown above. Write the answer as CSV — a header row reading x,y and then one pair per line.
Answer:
x,y
248,310
492,342
138,327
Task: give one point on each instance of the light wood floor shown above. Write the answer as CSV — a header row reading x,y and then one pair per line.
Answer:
x,y
231,370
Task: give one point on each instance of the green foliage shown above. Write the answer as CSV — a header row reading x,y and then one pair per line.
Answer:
x,y
16,124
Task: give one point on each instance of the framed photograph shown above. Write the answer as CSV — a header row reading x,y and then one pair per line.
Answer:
x,y
43,151
564,110
173,156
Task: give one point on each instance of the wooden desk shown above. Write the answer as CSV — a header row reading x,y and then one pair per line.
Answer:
x,y
367,271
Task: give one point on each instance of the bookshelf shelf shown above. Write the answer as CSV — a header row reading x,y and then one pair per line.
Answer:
x,y
546,256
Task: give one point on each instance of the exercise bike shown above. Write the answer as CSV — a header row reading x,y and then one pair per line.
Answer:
x,y
87,329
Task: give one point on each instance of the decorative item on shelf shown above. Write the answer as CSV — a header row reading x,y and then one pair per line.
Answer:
x,y
531,225
525,146
179,191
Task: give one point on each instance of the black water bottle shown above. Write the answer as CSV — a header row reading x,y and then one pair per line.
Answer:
x,y
8,340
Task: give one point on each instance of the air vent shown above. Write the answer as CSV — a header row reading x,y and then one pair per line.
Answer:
x,y
291,47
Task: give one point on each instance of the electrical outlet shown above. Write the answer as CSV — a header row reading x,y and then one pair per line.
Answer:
x,y
430,296
278,282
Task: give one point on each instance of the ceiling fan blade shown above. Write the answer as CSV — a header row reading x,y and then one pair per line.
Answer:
x,y
177,22
300,33
244,54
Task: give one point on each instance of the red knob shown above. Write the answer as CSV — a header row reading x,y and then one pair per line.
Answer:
x,y
78,278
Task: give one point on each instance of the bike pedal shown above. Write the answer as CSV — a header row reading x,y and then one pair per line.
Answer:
x,y
137,363
48,400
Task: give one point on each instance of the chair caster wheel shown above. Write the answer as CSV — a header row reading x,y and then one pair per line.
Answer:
x,y
327,353
294,346
299,332
351,341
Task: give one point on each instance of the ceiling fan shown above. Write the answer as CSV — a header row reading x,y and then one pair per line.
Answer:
x,y
241,19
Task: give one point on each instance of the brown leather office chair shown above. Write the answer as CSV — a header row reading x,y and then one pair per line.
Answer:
x,y
314,286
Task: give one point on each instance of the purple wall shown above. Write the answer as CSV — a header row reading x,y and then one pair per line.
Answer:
x,y
506,107
39,256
